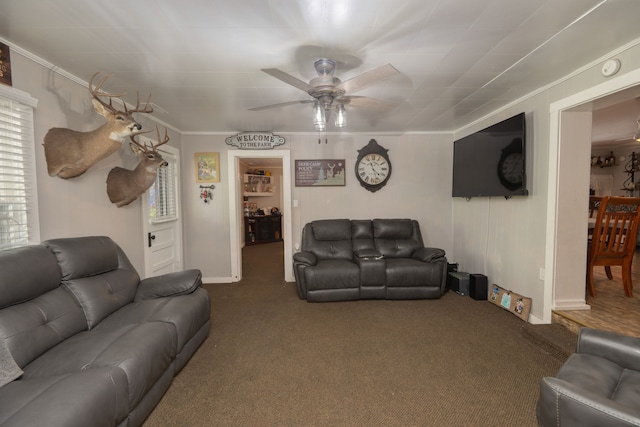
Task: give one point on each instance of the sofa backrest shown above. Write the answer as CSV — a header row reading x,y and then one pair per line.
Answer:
x,y
97,272
36,313
362,234
397,238
328,239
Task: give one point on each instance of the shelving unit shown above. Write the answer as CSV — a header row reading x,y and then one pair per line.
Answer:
x,y
258,186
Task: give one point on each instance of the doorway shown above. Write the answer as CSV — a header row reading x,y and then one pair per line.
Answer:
x,y
236,214
570,120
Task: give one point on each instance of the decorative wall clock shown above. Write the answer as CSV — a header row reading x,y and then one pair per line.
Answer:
x,y
511,165
373,167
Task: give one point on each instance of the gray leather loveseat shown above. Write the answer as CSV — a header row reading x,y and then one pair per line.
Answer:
x,y
342,259
85,342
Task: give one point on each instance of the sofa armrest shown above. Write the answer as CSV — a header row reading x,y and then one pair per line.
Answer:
x,y
170,284
561,402
428,254
621,349
305,258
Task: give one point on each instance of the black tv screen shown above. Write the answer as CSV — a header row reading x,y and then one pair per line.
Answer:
x,y
491,162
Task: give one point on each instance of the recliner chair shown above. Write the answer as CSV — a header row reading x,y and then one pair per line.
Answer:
x,y
598,385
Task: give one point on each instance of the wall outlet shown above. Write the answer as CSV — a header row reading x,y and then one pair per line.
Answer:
x,y
541,274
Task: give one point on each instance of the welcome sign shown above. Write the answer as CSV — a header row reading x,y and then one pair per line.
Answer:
x,y
255,140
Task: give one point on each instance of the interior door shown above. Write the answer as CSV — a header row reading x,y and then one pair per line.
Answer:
x,y
161,222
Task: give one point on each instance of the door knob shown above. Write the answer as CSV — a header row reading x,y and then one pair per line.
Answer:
x,y
150,238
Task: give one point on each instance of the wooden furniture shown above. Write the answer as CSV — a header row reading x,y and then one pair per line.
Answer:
x,y
614,239
262,229
594,203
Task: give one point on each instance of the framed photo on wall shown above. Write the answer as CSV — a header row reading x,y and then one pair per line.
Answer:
x,y
207,167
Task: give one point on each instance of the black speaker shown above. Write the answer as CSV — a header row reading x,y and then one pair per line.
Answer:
x,y
478,286
460,283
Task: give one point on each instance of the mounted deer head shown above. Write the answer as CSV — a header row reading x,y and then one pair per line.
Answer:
x,y
70,153
124,185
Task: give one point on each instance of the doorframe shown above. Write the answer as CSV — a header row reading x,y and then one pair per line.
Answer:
x,y
235,202
559,295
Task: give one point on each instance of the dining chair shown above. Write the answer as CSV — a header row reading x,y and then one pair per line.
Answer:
x,y
614,239
594,203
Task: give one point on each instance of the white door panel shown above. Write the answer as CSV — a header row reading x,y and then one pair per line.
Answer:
x,y
163,237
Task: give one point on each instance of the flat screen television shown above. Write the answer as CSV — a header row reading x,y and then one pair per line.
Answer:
x,y
491,162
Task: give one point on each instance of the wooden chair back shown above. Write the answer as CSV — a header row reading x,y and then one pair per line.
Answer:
x,y
614,239
594,204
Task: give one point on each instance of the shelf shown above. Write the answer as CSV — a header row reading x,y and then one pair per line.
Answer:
x,y
257,194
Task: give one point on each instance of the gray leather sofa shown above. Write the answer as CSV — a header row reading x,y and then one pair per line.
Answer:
x,y
598,385
85,342
342,259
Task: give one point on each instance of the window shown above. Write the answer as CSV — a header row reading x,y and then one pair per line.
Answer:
x,y
18,197
163,195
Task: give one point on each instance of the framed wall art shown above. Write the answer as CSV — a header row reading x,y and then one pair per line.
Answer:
x,y
207,167
316,173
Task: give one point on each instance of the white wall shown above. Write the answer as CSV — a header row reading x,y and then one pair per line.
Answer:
x,y
79,206
511,240
419,188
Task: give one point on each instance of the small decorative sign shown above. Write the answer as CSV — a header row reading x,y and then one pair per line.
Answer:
x,y
207,167
255,140
325,172
5,65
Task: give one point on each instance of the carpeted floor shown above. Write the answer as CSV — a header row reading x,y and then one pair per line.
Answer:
x,y
272,359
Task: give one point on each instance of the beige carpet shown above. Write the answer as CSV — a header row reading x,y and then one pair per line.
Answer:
x,y
272,359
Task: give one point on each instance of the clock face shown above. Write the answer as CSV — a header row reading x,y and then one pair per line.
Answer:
x,y
510,168
373,169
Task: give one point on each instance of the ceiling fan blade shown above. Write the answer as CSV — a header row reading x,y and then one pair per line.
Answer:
x,y
288,79
368,78
369,103
282,104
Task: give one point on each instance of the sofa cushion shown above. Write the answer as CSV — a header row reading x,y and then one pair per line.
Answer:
x,y
144,352
94,397
396,238
328,239
331,229
98,274
404,272
332,274
37,313
20,280
362,234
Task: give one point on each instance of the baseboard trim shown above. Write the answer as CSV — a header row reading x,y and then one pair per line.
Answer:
x,y
212,280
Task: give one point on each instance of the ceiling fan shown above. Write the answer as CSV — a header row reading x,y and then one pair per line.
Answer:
x,y
329,92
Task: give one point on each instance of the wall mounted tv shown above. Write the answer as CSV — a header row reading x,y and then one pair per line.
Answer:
x,y
491,162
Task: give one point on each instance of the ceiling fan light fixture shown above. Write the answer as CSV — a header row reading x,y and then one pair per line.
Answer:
x,y
325,67
341,116
319,117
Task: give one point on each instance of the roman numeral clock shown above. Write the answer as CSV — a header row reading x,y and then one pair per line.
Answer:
x,y
373,167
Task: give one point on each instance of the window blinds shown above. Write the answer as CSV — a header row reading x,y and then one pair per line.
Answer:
x,y
17,180
163,194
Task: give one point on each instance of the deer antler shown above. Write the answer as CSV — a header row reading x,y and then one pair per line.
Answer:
x,y
96,92
161,141
148,108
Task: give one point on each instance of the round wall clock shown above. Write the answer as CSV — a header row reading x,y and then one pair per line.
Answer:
x,y
373,167
510,166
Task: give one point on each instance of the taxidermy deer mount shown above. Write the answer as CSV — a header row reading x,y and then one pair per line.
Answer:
x,y
70,153
124,185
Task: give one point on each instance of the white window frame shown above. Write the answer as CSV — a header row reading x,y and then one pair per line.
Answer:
x,y
29,163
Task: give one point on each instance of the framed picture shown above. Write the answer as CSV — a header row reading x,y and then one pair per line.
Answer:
x,y
207,167
317,173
